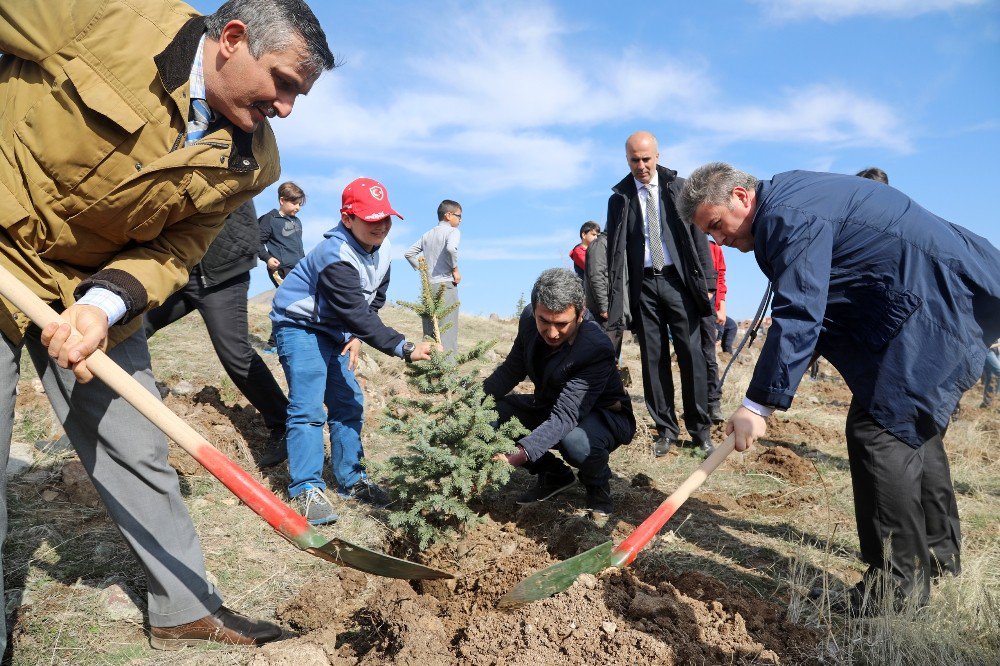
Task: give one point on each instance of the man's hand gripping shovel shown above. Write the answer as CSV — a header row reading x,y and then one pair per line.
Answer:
x,y
558,577
287,522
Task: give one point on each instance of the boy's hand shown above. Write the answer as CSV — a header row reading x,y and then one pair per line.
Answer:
x,y
273,264
720,313
353,347
456,277
422,351
71,350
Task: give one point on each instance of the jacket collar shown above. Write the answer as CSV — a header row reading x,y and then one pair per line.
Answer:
x,y
626,186
174,66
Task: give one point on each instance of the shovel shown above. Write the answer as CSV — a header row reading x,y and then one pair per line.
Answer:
x,y
285,520
558,577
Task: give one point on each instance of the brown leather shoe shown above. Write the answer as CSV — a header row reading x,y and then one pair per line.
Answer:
x,y
222,626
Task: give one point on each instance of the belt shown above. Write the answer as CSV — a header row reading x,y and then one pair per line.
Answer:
x,y
663,272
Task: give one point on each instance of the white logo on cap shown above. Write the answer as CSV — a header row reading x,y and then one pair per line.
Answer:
x,y
377,193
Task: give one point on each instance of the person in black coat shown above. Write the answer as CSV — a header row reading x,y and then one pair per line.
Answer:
x,y
579,406
217,288
660,281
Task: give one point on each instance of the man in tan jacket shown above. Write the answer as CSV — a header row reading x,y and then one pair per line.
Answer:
x,y
128,131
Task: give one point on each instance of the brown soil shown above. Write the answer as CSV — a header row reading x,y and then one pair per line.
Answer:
x,y
779,461
614,617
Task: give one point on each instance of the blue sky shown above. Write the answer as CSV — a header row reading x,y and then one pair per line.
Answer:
x,y
520,112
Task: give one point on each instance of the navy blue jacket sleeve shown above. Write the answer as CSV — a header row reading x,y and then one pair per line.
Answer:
x,y
265,235
514,368
575,401
339,285
795,250
380,293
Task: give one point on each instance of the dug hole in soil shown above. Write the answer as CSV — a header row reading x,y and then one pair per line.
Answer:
x,y
616,617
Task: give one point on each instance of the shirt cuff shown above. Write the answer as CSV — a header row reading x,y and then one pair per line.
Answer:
x,y
398,351
107,300
757,408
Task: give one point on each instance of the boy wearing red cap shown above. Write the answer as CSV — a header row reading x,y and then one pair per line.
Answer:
x,y
322,312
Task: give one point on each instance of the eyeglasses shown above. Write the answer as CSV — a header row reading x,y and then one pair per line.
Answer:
x,y
458,215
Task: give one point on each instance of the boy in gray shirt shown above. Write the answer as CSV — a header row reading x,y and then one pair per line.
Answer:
x,y
439,247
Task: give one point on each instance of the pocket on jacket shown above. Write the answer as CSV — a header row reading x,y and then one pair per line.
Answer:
x,y
73,129
881,312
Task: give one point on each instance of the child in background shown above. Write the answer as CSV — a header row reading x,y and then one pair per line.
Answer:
x,y
588,232
322,312
281,238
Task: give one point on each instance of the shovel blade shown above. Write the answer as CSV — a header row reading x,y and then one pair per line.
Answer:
x,y
351,555
558,577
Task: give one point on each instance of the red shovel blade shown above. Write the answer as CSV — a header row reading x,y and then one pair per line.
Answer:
x,y
559,577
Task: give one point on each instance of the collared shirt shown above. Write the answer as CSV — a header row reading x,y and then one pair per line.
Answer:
x,y
653,187
440,249
107,300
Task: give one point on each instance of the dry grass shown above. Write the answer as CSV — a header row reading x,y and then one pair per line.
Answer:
x,y
777,545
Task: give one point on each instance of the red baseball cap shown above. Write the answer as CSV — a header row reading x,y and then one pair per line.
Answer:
x,y
366,198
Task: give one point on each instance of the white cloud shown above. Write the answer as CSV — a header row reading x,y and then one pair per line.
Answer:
x,y
835,10
507,102
826,115
552,246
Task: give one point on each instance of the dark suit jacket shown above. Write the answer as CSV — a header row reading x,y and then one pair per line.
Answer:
x,y
578,379
688,248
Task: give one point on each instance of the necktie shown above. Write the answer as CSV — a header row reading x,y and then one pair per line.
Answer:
x,y
198,120
653,225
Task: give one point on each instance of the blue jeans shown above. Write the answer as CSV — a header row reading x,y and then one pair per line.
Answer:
x,y
318,376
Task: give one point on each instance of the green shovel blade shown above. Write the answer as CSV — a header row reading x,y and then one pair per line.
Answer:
x,y
558,577
351,555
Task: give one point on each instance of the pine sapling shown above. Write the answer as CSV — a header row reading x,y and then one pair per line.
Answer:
x,y
449,437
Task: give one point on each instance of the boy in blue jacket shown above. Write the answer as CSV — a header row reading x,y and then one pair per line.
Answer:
x,y
325,308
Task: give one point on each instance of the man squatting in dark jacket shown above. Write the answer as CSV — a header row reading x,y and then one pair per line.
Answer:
x,y
903,304
660,276
218,289
579,406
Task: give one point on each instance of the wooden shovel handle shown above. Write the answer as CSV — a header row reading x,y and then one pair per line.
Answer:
x,y
643,534
262,501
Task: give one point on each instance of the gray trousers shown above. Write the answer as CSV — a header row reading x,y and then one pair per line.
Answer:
x,y
449,338
126,457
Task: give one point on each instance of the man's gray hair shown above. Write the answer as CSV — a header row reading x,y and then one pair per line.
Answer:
x,y
273,25
557,289
711,184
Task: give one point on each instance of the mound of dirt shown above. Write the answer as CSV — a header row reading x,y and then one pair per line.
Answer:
x,y
611,618
794,431
778,461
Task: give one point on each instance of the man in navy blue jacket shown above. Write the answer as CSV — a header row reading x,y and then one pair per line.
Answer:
x,y
579,406
902,303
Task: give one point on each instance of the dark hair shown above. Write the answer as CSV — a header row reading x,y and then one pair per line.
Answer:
x,y
557,289
289,191
589,226
272,26
874,173
448,206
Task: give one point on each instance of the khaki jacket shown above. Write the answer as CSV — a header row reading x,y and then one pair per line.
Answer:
x,y
96,185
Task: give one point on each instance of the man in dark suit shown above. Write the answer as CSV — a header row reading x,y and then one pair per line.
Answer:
x,y
660,273
579,406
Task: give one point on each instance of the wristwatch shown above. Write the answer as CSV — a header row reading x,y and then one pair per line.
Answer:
x,y
408,348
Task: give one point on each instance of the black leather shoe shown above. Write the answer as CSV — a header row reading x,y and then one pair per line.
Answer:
x,y
715,413
662,444
599,499
547,486
222,626
276,451
705,448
